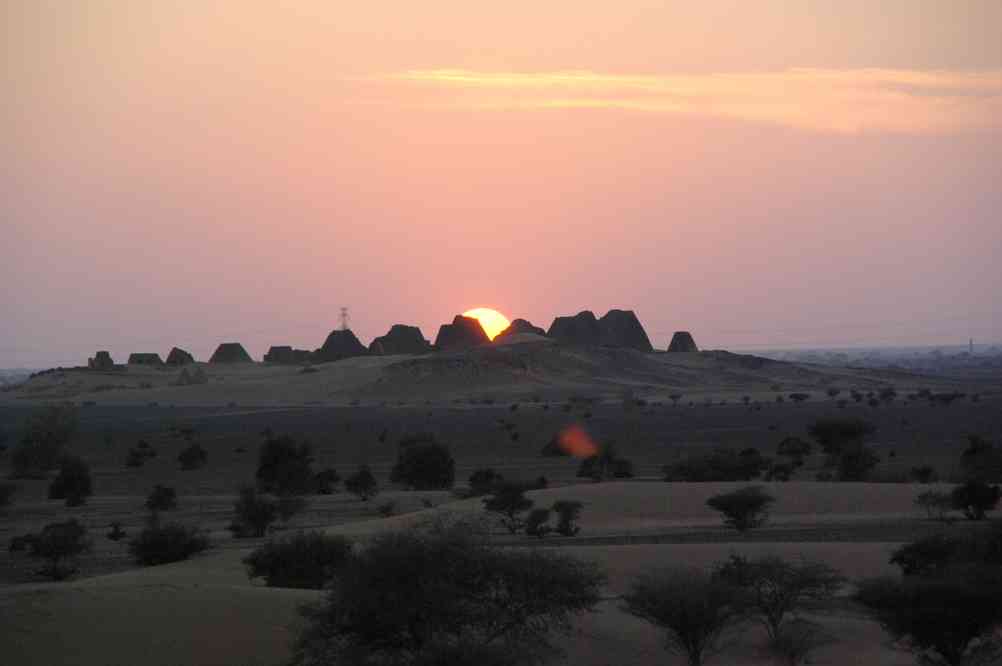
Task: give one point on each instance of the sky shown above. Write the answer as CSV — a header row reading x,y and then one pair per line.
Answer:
x,y
762,174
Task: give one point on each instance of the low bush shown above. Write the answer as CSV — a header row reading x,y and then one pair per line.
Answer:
x,y
950,620
936,504
170,542
483,481
719,465
568,512
509,502
362,484
325,481
743,509
73,482
924,474
424,464
538,523
7,492
161,498
59,544
975,499
306,560
930,556
254,512
193,457
604,465
284,466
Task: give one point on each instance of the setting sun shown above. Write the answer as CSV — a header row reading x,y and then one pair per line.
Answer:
x,y
492,321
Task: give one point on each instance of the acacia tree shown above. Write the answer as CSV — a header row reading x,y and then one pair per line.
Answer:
x,y
743,509
509,503
46,431
59,544
693,608
775,588
446,597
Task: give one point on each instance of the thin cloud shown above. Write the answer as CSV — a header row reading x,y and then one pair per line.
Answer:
x,y
889,100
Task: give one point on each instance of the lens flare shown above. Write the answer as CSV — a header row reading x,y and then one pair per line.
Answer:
x,y
575,441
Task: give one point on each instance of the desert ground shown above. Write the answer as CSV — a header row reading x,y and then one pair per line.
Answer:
x,y
496,407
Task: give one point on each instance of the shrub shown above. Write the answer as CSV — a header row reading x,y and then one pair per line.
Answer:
x,y
743,509
284,466
944,620
855,461
444,597
981,460
568,512
935,503
794,448
776,588
7,492
779,472
306,560
161,498
719,465
170,542
537,524
289,505
73,483
193,457
509,503
116,533
927,557
386,509
484,480
975,499
924,474
834,433
137,457
254,513
693,608
59,544
362,484
799,397
424,464
605,464
47,430
325,481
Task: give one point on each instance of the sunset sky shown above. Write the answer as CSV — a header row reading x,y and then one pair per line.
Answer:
x,y
760,173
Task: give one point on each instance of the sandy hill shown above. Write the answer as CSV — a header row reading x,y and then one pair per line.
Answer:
x,y
524,366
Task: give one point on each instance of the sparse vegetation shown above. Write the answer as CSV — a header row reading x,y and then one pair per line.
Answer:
x,y
7,492
538,523
719,465
568,512
484,480
47,430
975,499
325,481
305,560
935,503
605,464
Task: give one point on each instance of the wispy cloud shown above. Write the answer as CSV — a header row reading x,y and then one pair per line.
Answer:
x,y
818,99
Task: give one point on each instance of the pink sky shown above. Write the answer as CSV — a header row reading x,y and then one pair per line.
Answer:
x,y
188,173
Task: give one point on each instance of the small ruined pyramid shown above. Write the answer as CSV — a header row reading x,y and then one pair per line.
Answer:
x,y
286,355
581,329
341,343
682,341
400,339
178,356
518,327
138,358
231,352
621,328
462,333
101,361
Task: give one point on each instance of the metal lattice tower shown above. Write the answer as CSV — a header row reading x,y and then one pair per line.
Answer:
x,y
345,319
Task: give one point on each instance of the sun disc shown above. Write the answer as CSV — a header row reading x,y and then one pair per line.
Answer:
x,y
492,321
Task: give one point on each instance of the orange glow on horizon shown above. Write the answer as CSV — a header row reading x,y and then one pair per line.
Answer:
x,y
492,321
